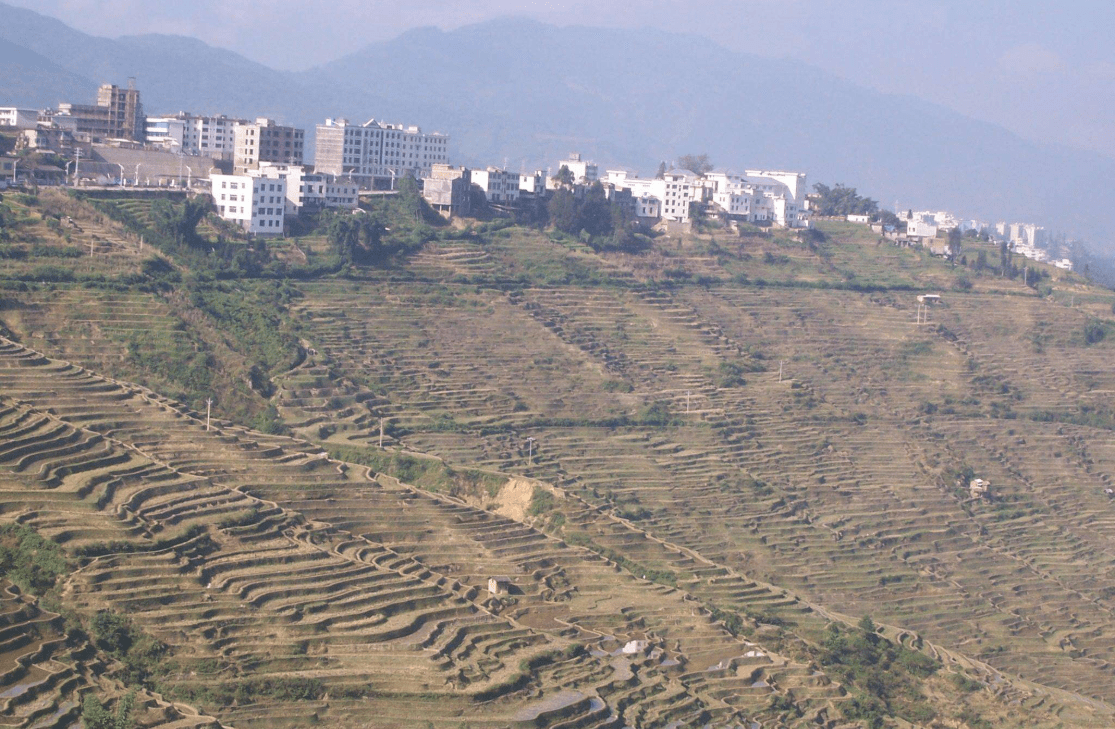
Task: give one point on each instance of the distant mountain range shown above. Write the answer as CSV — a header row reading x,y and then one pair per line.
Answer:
x,y
519,93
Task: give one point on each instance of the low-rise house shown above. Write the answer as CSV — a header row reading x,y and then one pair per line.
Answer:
x,y
979,489
500,585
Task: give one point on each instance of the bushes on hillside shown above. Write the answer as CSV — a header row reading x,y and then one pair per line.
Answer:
x,y
33,563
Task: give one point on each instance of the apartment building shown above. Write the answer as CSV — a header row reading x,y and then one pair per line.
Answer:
x,y
265,141
499,186
311,191
118,114
207,136
673,192
760,196
256,204
377,153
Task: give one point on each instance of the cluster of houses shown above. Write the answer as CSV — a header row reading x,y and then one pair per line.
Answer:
x,y
255,170
926,228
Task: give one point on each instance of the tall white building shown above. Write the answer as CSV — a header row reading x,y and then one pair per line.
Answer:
x,y
256,204
376,150
194,134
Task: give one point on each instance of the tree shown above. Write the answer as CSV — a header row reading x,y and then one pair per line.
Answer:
x,y
595,211
698,163
95,716
180,221
955,241
564,177
840,201
661,171
356,237
563,212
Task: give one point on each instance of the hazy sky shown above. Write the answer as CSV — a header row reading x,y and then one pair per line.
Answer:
x,y
1043,69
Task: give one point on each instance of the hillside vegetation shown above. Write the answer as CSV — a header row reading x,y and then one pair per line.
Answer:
x,y
725,478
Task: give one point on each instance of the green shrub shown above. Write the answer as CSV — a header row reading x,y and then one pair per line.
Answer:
x,y
541,502
30,561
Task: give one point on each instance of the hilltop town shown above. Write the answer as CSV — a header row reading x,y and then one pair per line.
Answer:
x,y
255,173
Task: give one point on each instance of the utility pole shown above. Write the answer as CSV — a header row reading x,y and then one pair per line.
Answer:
x,y
780,370
530,451
687,402
381,434
208,407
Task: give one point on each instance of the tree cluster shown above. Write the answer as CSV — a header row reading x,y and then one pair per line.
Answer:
x,y
179,221
840,201
699,163
593,218
356,237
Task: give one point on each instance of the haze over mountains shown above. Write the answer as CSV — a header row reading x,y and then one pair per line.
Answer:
x,y
524,94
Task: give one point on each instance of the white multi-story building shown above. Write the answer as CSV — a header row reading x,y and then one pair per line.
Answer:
x,y
16,118
376,150
499,186
786,191
760,196
673,193
206,136
920,225
1027,234
533,183
256,204
312,191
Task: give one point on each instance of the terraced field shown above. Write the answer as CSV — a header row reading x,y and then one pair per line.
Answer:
x,y
696,491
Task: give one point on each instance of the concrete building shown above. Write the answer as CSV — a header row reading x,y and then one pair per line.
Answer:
x,y
118,114
533,183
673,193
12,117
499,186
311,192
206,136
920,225
256,204
786,191
265,141
448,190
53,139
760,196
376,153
